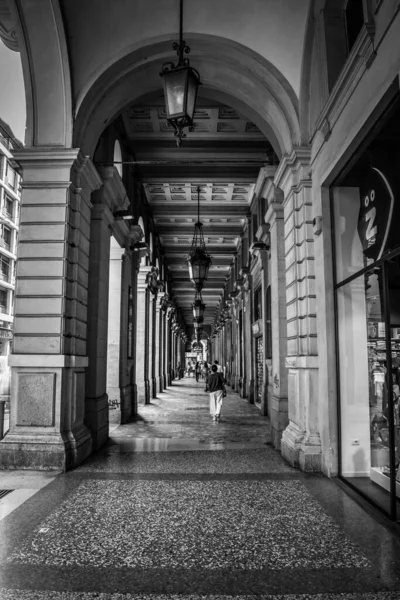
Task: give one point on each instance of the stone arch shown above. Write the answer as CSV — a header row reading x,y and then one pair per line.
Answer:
x,y
46,72
229,72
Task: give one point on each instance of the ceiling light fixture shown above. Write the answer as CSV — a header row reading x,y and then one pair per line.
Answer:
x,y
198,307
199,260
180,87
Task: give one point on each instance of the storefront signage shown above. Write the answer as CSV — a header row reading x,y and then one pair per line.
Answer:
x,y
376,212
6,334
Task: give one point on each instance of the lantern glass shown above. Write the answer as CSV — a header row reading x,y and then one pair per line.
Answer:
x,y
199,264
192,85
198,309
180,91
175,91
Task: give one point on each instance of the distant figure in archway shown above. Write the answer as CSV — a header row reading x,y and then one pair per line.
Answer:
x,y
217,391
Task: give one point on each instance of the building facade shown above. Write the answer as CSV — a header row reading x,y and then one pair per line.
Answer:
x,y
10,194
305,317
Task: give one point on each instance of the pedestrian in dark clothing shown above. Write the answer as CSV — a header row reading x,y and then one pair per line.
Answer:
x,y
216,388
205,371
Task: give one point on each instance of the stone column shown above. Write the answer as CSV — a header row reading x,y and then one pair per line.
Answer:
x,y
49,358
127,396
104,201
153,345
164,380
115,295
278,394
136,253
158,382
300,443
169,350
235,341
260,272
142,336
248,354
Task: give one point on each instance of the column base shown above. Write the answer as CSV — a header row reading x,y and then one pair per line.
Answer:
x,y
242,387
264,400
126,404
278,414
251,391
310,455
141,393
45,452
291,440
97,420
134,401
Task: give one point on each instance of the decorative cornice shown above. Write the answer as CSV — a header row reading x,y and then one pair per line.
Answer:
x,y
359,60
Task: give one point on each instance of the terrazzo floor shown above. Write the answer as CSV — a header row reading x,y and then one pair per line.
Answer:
x,y
176,506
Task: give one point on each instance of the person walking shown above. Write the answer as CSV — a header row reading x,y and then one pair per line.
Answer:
x,y
205,371
219,368
217,391
197,370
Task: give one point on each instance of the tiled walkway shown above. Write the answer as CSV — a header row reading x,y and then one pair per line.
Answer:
x,y
178,506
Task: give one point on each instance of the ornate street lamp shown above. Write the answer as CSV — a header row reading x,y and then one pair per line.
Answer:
x,y
198,306
180,87
199,261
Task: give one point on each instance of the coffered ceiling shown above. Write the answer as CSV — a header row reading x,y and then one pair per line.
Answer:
x,y
222,157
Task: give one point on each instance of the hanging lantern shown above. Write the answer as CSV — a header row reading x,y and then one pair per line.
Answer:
x,y
198,306
180,87
199,261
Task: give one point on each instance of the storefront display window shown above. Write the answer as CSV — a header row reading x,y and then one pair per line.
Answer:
x,y
366,210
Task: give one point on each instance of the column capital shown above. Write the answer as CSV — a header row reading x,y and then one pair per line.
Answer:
x,y
143,271
134,235
265,174
86,177
275,198
294,169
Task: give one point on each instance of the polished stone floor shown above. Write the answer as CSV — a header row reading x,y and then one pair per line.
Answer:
x,y
179,506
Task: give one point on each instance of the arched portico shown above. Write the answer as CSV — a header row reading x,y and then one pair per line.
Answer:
x,y
231,73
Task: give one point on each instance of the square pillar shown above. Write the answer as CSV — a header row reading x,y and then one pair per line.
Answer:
x,y
47,428
142,336
301,443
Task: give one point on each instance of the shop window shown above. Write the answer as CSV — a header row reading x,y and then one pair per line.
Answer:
x,y
3,301
354,15
366,212
258,304
268,341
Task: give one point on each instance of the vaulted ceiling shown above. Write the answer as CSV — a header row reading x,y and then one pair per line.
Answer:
x,y
222,156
